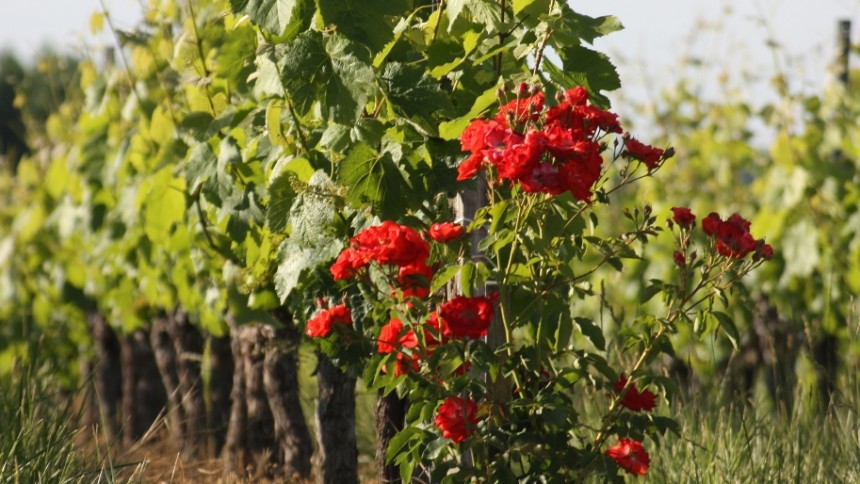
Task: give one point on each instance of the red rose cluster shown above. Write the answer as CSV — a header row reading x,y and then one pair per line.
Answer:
x,y
547,151
320,325
733,238
387,244
457,418
461,317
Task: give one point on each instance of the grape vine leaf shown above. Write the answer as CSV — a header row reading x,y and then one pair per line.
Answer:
x,y
331,70
274,16
362,21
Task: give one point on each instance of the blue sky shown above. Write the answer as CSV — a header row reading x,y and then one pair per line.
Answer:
x,y
657,35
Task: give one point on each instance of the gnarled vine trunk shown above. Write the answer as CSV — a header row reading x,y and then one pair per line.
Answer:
x,y
106,375
390,418
220,387
178,349
188,345
267,427
282,386
143,395
335,419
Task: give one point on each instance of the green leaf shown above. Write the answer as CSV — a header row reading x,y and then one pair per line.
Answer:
x,y
443,277
293,261
486,13
453,129
563,334
196,124
728,327
274,15
304,67
592,331
414,93
281,197
200,166
587,68
650,291
312,241
533,6
399,441
331,70
164,204
372,177
361,21
352,80
589,28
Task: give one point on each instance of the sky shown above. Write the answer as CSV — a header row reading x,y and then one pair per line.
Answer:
x,y
650,52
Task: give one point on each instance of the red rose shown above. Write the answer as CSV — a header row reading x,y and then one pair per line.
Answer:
x,y
474,136
576,96
391,340
683,216
445,231
414,280
457,418
766,252
629,455
583,170
470,167
633,399
467,317
734,239
347,264
711,223
518,161
678,258
596,118
646,154
320,325
389,336
523,109
544,178
391,244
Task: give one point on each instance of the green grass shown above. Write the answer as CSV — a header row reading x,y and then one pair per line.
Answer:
x,y
38,431
742,445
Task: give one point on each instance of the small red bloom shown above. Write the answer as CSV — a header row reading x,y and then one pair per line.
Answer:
x,y
389,336
414,280
766,252
646,154
630,456
634,399
678,258
470,166
683,216
445,231
467,317
711,223
347,264
457,418
523,109
320,325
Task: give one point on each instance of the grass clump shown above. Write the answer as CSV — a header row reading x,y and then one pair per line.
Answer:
x,y
38,430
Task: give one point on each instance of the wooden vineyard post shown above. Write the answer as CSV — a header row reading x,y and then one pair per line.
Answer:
x,y
464,205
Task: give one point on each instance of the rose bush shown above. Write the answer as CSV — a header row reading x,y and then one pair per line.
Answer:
x,y
506,339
